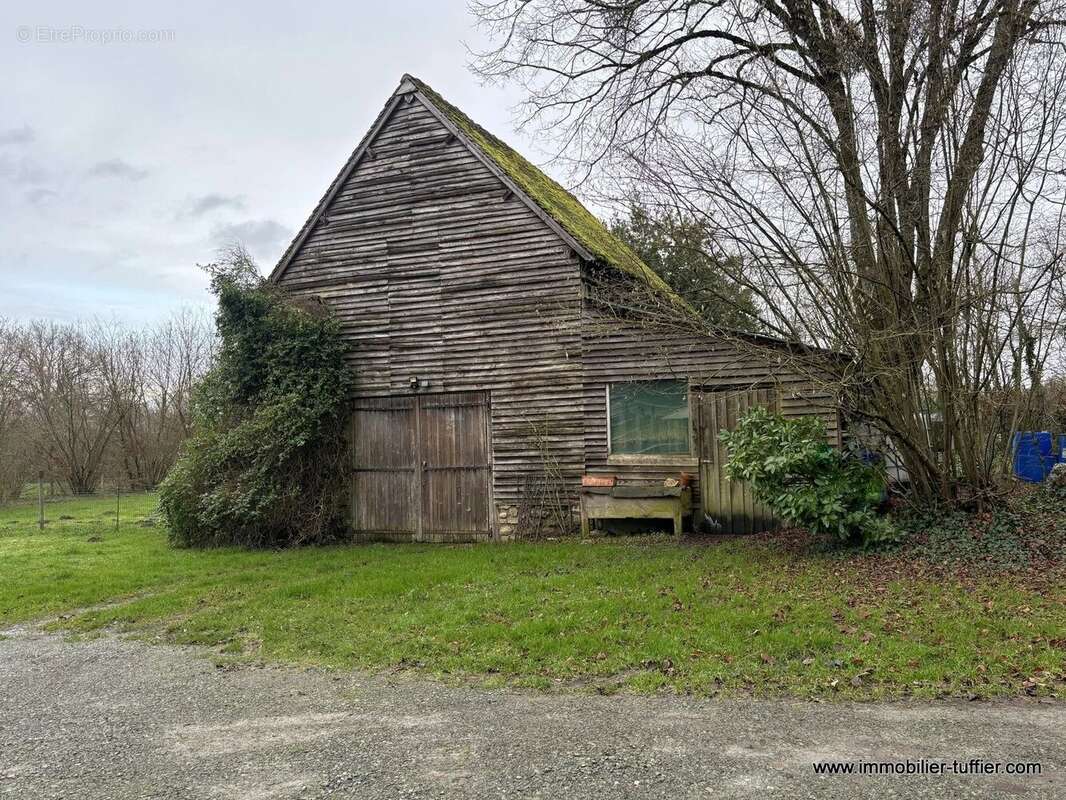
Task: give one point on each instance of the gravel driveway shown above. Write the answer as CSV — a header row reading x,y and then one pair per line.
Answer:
x,y
110,718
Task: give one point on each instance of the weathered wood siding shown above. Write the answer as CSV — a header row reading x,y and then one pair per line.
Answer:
x,y
614,351
436,273
730,505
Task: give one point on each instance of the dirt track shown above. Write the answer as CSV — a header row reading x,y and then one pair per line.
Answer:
x,y
116,719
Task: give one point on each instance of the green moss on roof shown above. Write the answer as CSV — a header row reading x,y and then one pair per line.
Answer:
x,y
556,201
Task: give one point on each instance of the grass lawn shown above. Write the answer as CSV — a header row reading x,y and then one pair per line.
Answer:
x,y
641,613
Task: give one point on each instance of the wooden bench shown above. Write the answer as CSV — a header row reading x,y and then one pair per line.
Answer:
x,y
634,502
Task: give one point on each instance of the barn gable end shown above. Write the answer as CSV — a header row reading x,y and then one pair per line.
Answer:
x,y
442,275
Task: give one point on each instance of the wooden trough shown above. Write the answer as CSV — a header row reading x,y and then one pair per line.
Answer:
x,y
635,502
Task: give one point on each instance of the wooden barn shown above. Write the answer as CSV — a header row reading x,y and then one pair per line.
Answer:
x,y
491,377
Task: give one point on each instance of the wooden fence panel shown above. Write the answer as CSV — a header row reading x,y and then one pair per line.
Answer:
x,y
730,504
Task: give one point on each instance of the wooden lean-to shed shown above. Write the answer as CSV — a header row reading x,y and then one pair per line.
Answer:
x,y
489,374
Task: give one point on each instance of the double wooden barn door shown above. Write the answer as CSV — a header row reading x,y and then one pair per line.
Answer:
x,y
421,466
728,504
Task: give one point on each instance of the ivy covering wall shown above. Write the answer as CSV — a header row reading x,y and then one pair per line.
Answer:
x,y
265,465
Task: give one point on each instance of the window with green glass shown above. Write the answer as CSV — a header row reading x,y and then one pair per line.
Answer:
x,y
649,418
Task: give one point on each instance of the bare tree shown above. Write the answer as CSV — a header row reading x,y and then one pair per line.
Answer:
x,y
123,368
98,401
16,461
180,352
68,400
150,374
886,177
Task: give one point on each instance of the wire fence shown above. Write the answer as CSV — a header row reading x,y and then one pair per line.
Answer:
x,y
47,502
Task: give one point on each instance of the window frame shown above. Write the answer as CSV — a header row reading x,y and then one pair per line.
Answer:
x,y
684,459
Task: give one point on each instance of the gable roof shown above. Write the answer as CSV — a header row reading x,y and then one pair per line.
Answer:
x,y
574,223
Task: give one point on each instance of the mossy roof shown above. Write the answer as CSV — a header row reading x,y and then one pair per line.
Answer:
x,y
561,206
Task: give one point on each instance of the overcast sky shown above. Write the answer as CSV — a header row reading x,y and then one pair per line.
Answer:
x,y
124,163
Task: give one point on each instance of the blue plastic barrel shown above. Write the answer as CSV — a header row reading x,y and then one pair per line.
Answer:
x,y
1033,457
1060,457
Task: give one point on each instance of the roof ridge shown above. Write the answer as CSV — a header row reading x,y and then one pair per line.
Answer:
x,y
558,206
555,200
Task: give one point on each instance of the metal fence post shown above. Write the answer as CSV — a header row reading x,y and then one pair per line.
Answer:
x,y
118,500
40,500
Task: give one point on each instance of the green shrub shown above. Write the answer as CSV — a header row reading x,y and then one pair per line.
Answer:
x,y
792,469
265,465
